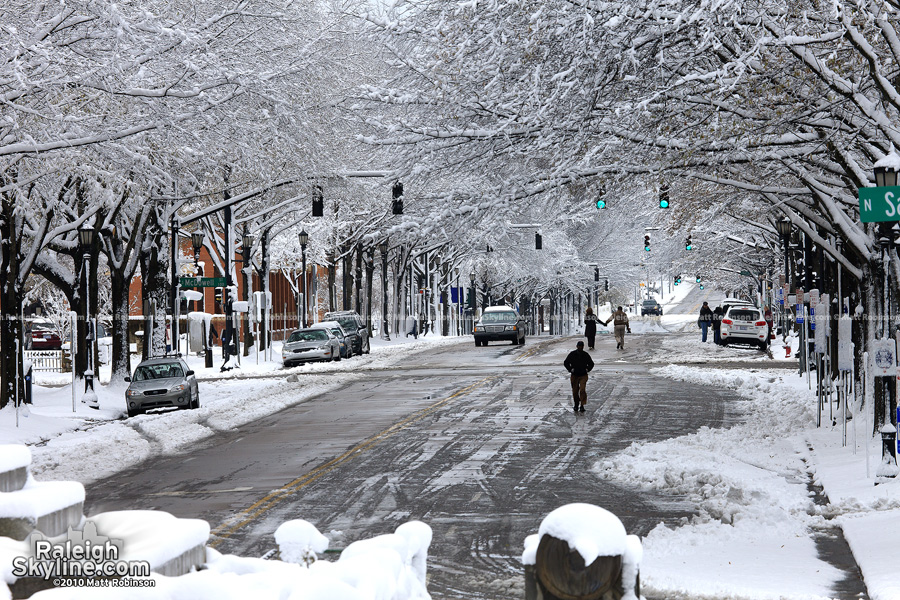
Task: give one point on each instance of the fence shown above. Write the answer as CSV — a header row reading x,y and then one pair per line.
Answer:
x,y
47,361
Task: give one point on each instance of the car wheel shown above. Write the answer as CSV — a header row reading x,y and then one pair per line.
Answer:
x,y
368,347
135,412
522,341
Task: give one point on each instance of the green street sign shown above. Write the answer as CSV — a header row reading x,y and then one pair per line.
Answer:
x,y
747,273
878,204
194,282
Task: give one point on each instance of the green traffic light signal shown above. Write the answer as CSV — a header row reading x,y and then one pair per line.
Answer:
x,y
601,203
701,286
663,203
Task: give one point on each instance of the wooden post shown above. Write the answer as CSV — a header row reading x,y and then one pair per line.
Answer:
x,y
559,573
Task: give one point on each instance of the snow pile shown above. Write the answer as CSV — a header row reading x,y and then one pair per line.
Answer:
x,y
747,484
299,541
388,567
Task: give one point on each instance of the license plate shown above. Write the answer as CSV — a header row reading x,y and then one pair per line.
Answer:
x,y
743,327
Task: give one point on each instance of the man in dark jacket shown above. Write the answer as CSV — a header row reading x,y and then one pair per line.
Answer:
x,y
705,320
717,324
578,363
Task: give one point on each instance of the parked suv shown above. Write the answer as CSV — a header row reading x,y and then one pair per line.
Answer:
x,y
651,307
161,382
499,323
355,326
744,324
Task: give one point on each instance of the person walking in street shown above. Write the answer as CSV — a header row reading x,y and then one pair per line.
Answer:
x,y
590,327
770,321
578,363
705,320
620,326
717,325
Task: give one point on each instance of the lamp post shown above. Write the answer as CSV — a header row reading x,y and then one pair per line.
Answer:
x,y
472,282
304,240
246,252
197,243
784,230
383,248
86,239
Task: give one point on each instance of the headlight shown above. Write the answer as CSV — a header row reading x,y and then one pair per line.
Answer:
x,y
510,328
477,328
132,393
178,388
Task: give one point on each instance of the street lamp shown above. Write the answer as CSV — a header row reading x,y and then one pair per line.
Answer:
x,y
886,170
472,281
304,239
383,248
197,243
86,239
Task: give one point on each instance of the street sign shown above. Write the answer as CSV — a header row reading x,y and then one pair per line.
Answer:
x,y
799,311
884,357
813,296
192,282
747,273
878,204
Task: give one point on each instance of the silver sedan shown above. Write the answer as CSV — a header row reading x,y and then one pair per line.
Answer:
x,y
305,345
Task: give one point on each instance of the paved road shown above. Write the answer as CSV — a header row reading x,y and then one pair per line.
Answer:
x,y
480,443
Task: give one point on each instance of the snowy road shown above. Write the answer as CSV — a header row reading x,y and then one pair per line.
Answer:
x,y
480,443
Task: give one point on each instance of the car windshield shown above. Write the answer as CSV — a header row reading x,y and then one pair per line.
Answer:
x,y
310,335
158,371
649,302
337,333
498,317
41,326
744,315
348,323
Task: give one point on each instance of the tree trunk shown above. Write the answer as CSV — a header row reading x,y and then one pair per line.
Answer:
x,y
370,273
121,355
11,299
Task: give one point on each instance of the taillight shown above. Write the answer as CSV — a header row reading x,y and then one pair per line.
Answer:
x,y
727,322
760,323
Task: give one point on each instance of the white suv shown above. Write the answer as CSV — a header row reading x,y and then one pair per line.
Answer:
x,y
744,324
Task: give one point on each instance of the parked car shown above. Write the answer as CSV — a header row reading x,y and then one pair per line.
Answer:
x,y
310,344
353,324
744,324
41,335
499,323
651,307
346,340
161,382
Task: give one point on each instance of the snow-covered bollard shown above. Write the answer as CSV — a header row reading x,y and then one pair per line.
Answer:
x,y
581,551
299,541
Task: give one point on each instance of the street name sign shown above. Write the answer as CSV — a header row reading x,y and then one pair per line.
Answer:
x,y
192,282
878,204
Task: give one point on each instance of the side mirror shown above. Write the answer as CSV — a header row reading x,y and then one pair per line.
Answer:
x,y
128,379
189,373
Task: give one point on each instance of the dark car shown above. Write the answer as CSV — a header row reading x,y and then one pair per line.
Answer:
x,y
354,326
651,307
499,323
164,382
41,335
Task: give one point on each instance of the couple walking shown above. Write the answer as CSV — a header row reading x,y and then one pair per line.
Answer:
x,y
620,327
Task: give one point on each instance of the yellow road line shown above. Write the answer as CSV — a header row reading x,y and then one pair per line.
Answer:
x,y
528,353
264,504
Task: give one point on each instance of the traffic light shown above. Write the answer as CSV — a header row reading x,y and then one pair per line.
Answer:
x,y
218,295
677,279
698,279
318,201
538,241
687,243
664,196
647,242
596,273
397,202
606,285
601,203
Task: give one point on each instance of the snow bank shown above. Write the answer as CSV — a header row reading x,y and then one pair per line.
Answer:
x,y
373,570
751,533
14,456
